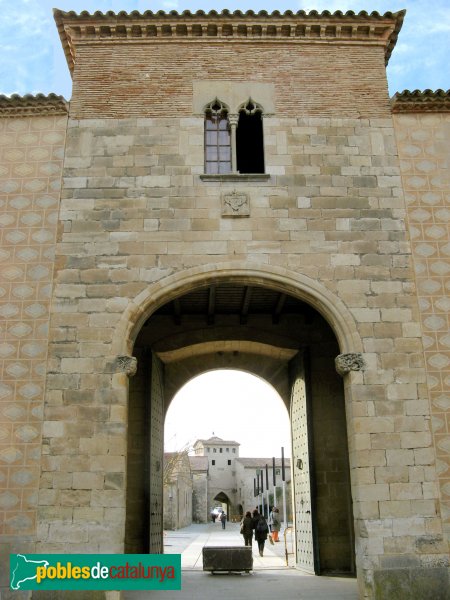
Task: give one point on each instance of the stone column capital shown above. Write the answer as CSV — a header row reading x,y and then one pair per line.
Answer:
x,y
352,361
126,364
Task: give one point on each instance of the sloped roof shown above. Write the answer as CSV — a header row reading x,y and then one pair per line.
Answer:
x,y
32,105
262,462
421,101
262,27
199,463
217,440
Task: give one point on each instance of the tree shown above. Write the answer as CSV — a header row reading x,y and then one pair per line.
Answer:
x,y
175,465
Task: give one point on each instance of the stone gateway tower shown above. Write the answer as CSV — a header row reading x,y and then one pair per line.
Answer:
x,y
229,191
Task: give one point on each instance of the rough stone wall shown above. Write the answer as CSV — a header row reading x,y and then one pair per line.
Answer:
x,y
136,524
31,158
331,480
424,151
200,508
178,496
135,211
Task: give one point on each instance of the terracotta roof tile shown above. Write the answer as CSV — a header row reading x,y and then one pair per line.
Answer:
x,y
292,27
32,105
421,101
363,14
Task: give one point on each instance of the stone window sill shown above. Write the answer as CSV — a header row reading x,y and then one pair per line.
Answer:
x,y
235,177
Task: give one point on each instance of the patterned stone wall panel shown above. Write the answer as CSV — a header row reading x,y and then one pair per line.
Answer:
x,y
31,154
424,151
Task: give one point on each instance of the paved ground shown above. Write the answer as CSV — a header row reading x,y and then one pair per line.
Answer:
x,y
271,579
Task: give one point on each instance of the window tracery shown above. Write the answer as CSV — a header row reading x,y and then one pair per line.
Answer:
x,y
234,142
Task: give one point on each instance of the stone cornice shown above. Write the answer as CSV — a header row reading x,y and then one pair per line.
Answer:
x,y
298,28
418,101
32,105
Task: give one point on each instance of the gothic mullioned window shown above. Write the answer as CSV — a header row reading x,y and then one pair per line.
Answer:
x,y
217,138
249,139
234,142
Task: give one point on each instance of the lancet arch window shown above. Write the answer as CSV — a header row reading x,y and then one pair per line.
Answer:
x,y
217,138
234,143
249,138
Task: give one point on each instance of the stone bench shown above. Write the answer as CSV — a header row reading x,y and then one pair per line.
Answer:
x,y
227,558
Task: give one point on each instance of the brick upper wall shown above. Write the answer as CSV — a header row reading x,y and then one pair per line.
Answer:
x,y
155,80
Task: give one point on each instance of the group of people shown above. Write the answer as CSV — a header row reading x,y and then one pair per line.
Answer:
x,y
256,522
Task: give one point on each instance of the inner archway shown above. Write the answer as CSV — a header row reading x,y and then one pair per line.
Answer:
x,y
280,338
233,405
233,424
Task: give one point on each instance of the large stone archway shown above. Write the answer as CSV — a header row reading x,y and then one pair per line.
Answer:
x,y
304,288
296,355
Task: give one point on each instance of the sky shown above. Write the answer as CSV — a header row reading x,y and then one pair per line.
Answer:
x,y
32,60
232,405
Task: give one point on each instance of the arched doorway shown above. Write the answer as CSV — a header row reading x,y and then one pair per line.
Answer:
x,y
221,499
232,423
244,324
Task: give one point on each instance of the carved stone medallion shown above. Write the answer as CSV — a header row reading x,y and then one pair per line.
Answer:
x,y
235,204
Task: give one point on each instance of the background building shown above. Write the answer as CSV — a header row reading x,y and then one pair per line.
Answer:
x,y
199,469
178,490
247,470
230,478
221,455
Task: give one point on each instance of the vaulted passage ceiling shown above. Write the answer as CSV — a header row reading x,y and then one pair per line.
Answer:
x,y
231,314
232,326
239,300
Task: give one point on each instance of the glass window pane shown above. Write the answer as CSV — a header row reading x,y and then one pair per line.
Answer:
x,y
224,153
224,138
217,143
211,138
224,167
211,152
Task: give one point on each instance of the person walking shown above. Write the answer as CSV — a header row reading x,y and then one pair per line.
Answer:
x,y
247,528
255,518
223,519
275,523
261,533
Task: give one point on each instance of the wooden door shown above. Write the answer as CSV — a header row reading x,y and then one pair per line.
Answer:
x,y
302,466
156,455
